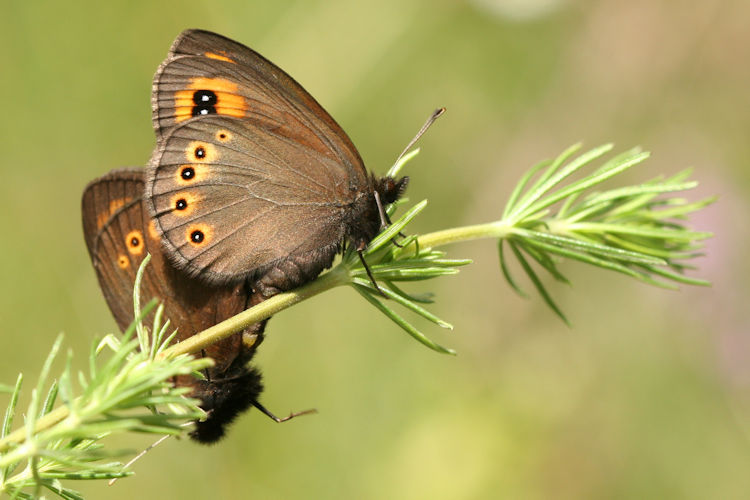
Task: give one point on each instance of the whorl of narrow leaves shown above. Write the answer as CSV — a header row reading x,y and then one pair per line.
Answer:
x,y
120,393
635,230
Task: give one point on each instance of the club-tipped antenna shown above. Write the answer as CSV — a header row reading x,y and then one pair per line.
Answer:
x,y
434,116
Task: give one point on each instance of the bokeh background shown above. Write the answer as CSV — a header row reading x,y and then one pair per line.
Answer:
x,y
646,396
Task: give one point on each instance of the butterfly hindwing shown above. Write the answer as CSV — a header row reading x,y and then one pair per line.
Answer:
x,y
118,236
112,210
231,200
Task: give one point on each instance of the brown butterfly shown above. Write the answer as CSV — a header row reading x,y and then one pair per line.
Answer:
x,y
252,179
119,234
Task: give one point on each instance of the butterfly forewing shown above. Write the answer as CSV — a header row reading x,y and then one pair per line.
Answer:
x,y
251,176
206,73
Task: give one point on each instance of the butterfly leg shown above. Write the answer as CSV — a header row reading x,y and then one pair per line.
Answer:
x,y
385,221
369,273
279,420
206,372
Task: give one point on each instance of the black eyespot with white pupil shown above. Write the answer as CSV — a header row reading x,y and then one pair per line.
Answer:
x,y
134,241
197,236
200,152
187,173
181,204
204,97
205,102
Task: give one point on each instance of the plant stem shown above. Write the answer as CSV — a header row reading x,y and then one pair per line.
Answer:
x,y
336,277
45,422
497,229
259,312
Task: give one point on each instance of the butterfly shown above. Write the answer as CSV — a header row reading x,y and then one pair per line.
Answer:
x,y
119,235
252,180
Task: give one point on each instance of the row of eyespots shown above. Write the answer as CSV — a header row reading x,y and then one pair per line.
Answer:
x,y
184,204
201,153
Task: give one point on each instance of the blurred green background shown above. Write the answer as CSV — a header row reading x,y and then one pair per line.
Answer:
x,y
645,397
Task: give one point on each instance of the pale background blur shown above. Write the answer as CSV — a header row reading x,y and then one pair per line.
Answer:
x,y
647,396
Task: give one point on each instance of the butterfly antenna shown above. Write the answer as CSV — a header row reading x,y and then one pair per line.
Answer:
x,y
279,420
434,116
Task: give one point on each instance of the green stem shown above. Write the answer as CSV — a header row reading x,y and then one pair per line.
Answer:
x,y
497,229
19,435
336,277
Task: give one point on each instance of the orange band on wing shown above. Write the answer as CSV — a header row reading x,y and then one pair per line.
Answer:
x,y
219,57
152,232
228,102
114,206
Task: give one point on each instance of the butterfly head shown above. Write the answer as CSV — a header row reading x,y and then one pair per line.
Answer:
x,y
390,189
367,216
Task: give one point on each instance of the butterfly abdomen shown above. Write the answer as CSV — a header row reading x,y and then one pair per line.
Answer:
x,y
295,271
224,400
